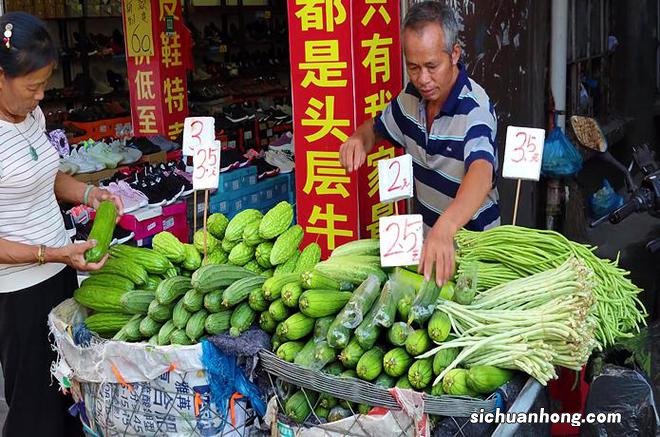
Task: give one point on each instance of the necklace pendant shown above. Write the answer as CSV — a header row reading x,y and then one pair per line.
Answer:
x,y
34,154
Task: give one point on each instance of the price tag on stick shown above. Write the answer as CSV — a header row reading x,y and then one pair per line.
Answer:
x,y
522,157
395,178
401,240
195,132
206,162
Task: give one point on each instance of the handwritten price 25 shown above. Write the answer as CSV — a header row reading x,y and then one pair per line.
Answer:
x,y
408,235
526,150
208,162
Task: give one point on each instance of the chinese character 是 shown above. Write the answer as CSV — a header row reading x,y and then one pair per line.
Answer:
x,y
328,124
372,11
144,82
321,14
378,57
174,94
322,64
325,174
170,50
329,230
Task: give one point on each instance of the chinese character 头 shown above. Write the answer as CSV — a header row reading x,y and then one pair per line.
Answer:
x,y
326,125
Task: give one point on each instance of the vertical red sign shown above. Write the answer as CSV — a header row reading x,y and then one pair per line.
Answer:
x,y
323,108
158,55
378,79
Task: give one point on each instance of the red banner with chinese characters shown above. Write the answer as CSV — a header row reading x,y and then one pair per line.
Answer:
x,y
378,79
345,67
158,47
322,83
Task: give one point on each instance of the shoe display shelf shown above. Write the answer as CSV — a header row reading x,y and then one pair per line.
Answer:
x,y
96,177
96,130
268,131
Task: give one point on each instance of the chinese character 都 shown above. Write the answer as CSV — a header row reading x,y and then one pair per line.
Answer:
x,y
170,50
378,57
372,11
325,174
328,124
379,210
372,163
321,14
375,103
147,119
144,83
330,217
322,64
167,7
174,94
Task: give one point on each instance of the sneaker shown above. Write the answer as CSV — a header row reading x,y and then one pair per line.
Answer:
x,y
236,114
228,160
121,236
136,195
280,160
165,144
144,145
83,162
131,202
264,169
129,154
101,152
284,139
68,167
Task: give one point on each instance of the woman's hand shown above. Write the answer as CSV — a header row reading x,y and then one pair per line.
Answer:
x,y
97,195
74,255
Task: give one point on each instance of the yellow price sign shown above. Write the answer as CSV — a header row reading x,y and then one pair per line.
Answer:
x,y
139,30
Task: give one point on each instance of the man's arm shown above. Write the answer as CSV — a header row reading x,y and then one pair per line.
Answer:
x,y
438,250
353,153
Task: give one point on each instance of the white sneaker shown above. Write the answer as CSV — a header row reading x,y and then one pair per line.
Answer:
x,y
68,167
279,160
129,154
83,164
84,154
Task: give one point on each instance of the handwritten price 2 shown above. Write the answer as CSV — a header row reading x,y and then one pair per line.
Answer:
x,y
526,150
395,183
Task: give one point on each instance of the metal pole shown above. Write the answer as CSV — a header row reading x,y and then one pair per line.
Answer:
x,y
558,58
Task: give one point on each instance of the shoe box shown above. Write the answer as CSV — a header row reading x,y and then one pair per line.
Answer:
x,y
147,222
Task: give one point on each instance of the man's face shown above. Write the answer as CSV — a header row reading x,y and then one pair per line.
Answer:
x,y
430,67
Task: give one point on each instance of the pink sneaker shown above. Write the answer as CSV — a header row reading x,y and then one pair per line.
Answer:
x,y
136,197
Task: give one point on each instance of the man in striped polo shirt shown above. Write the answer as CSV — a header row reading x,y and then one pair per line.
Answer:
x,y
446,122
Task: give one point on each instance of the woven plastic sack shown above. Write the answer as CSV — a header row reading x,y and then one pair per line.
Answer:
x,y
560,158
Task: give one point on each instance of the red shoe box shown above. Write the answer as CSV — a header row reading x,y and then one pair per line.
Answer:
x,y
143,222
175,220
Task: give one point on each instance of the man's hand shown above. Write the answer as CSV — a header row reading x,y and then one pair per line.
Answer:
x,y
74,255
438,252
97,195
352,153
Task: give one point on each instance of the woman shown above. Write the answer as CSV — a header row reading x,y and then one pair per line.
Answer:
x,y
38,263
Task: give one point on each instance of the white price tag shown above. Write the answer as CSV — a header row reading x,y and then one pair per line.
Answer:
x,y
523,153
395,178
401,240
197,130
206,163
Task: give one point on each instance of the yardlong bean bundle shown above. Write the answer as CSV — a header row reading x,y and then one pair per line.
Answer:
x,y
507,251
531,324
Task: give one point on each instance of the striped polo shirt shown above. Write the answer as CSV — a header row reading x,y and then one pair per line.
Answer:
x,y
29,213
462,132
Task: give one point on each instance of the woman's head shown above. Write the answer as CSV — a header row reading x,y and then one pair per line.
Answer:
x,y
26,65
